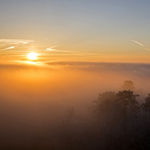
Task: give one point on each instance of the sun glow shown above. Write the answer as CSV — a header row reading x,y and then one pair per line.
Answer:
x,y
32,56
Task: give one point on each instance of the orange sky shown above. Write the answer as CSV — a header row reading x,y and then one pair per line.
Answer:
x,y
97,31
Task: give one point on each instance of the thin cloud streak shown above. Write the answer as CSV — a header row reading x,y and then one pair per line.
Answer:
x,y
15,41
52,49
8,42
138,43
9,48
147,49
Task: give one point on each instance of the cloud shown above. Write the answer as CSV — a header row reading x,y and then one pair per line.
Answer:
x,y
136,69
138,43
6,44
9,48
15,41
53,49
20,66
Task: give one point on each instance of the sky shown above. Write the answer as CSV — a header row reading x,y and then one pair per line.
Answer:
x,y
91,30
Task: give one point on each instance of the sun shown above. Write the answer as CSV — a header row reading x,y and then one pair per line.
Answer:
x,y
32,56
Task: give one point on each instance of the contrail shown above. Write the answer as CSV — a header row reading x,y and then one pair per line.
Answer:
x,y
139,44
147,49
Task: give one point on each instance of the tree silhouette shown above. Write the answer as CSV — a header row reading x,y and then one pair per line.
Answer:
x,y
128,106
128,100
116,112
117,107
128,85
146,105
124,100
104,102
